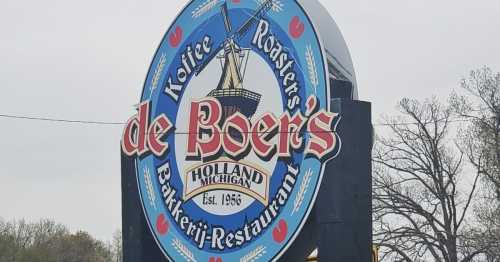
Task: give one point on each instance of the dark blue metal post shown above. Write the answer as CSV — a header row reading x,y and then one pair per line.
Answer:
x,y
138,243
340,225
344,203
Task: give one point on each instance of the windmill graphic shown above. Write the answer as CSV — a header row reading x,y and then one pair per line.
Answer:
x,y
230,91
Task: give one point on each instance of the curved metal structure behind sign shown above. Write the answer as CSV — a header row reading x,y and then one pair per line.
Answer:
x,y
335,46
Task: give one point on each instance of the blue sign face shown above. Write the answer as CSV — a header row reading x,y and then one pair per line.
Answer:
x,y
232,131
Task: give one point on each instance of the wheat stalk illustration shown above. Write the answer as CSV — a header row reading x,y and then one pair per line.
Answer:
x,y
158,70
277,5
183,250
299,199
204,8
149,188
311,65
254,254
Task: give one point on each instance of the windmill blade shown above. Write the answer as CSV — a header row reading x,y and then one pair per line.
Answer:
x,y
225,15
242,30
259,13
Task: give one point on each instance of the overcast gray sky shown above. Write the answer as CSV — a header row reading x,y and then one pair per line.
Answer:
x,y
88,59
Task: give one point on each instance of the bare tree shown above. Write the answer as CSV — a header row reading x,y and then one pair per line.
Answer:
x,y
422,196
481,106
480,140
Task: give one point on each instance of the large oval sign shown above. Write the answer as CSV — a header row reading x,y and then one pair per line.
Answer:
x,y
232,131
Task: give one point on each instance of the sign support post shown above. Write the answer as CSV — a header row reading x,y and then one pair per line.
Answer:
x,y
344,203
138,244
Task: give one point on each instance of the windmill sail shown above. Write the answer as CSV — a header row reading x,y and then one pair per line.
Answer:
x,y
259,13
225,15
241,32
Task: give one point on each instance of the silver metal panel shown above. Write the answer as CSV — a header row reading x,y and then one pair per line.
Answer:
x,y
335,46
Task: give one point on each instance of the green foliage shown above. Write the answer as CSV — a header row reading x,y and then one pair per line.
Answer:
x,y
46,241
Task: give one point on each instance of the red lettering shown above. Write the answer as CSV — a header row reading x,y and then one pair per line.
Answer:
x,y
237,135
160,127
140,138
262,132
237,124
129,145
323,139
143,128
290,137
204,137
